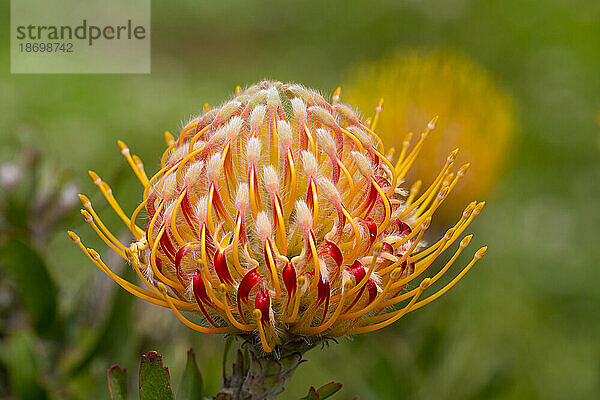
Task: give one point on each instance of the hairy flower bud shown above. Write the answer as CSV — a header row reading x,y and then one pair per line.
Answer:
x,y
281,222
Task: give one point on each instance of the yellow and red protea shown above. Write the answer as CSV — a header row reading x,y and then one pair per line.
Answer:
x,y
279,215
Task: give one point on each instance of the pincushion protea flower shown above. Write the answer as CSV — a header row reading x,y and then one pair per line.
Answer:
x,y
478,115
278,215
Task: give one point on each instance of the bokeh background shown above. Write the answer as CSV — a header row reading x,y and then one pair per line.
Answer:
x,y
523,324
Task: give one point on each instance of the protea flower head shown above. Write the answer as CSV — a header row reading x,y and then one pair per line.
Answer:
x,y
280,216
478,115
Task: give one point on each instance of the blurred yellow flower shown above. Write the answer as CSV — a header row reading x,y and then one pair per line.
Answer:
x,y
476,115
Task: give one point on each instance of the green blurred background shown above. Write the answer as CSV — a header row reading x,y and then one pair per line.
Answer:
x,y
523,324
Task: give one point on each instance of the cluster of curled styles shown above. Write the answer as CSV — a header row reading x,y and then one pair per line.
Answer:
x,y
278,215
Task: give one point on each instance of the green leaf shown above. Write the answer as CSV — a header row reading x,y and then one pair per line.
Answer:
x,y
323,392
116,327
328,390
155,382
18,200
18,355
226,348
117,382
192,385
312,394
36,288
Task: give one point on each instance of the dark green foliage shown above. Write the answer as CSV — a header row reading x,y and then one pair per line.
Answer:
x,y
18,201
19,356
115,328
312,394
329,390
323,392
155,382
254,376
117,382
36,288
192,385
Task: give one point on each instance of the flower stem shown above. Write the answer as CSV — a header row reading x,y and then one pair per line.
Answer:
x,y
256,375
